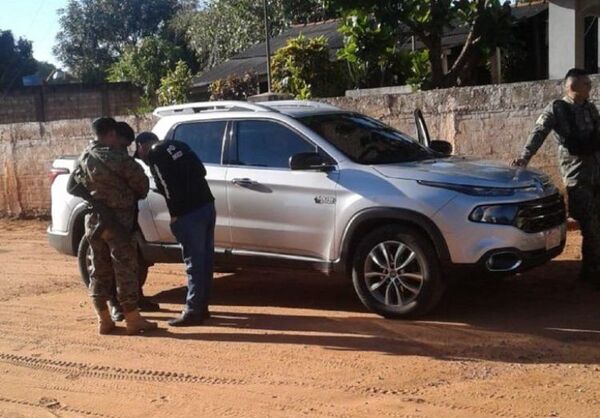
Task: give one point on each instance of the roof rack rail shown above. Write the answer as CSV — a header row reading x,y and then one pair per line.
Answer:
x,y
298,104
191,108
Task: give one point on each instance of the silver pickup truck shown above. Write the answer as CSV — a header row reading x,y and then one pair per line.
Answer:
x,y
306,185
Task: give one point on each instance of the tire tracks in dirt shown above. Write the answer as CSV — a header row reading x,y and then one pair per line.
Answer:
x,y
75,370
55,407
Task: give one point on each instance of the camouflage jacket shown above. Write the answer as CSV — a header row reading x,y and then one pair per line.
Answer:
x,y
575,169
112,177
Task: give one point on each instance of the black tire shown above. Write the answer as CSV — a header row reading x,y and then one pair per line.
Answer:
x,y
83,264
426,274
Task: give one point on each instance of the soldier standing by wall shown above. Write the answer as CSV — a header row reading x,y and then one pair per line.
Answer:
x,y
113,182
576,124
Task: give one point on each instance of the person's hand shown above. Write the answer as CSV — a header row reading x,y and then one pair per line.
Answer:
x,y
519,162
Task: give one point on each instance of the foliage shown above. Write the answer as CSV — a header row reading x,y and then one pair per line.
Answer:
x,y
94,33
173,86
302,68
16,60
488,23
235,87
224,28
420,70
369,51
145,64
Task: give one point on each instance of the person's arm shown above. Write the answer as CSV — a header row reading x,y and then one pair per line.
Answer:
x,y
543,126
136,178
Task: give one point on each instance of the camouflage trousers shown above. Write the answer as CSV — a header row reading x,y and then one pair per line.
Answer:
x,y
584,207
113,264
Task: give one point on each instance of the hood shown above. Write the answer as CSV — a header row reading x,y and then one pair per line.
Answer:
x,y
464,171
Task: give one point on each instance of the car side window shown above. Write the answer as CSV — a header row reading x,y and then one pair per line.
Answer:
x,y
268,144
204,138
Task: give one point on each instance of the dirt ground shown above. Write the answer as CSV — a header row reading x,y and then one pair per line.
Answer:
x,y
282,344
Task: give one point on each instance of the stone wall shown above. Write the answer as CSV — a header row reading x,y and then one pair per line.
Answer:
x,y
26,154
491,122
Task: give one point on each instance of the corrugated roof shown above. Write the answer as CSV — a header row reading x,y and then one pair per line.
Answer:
x,y
255,58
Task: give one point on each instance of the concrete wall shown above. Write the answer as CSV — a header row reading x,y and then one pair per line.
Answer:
x,y
491,122
68,101
26,154
488,121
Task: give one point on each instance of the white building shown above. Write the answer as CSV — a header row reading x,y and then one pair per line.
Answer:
x,y
567,33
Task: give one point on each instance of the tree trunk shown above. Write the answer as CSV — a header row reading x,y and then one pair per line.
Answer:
x,y
435,58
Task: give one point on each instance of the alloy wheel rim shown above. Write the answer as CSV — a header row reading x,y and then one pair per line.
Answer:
x,y
393,274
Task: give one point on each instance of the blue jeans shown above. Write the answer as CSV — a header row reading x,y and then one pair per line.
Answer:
x,y
195,231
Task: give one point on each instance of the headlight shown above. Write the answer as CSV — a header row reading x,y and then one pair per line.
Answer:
x,y
471,190
495,214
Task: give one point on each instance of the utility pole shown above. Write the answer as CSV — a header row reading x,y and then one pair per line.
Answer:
x,y
268,46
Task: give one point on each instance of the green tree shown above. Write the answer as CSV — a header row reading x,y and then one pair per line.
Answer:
x,y
94,33
488,24
303,68
223,28
370,52
173,87
16,60
145,64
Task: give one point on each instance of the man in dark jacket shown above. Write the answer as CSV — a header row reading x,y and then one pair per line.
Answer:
x,y
180,177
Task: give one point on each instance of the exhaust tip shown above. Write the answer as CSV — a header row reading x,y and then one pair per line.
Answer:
x,y
503,262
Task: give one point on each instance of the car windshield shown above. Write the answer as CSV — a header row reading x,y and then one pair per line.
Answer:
x,y
365,140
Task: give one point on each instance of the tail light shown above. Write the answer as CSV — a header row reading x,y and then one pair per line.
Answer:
x,y
55,172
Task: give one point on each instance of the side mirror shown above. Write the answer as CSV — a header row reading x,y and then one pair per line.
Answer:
x,y
443,147
309,161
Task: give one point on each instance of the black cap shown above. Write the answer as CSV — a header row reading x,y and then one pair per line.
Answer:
x,y
125,131
144,137
103,125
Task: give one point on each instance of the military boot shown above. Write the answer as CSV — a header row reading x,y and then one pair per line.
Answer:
x,y
136,323
105,322
116,312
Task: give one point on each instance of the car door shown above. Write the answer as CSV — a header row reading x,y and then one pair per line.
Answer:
x,y
206,139
272,208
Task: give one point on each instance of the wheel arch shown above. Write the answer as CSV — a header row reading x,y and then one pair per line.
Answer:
x,y
369,219
77,226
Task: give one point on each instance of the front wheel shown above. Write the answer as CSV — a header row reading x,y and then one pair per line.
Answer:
x,y
84,261
396,272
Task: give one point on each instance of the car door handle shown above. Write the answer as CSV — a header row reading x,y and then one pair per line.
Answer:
x,y
245,182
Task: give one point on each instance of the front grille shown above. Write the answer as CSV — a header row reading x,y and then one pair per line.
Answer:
x,y
542,214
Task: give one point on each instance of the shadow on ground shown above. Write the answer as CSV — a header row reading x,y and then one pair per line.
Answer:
x,y
542,316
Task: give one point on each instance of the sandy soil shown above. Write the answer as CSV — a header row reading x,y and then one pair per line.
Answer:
x,y
282,344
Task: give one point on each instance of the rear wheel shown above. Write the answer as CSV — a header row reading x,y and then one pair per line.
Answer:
x,y
84,260
396,272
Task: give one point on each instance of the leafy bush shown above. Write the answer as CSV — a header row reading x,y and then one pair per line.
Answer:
x,y
235,87
173,86
145,64
368,50
303,68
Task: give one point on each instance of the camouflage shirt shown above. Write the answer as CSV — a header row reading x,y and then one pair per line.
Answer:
x,y
575,169
112,176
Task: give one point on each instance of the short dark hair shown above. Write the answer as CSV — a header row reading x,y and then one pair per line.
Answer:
x,y
575,73
145,137
103,125
125,131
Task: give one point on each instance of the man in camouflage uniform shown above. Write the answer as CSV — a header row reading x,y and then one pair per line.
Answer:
x,y
117,182
576,125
